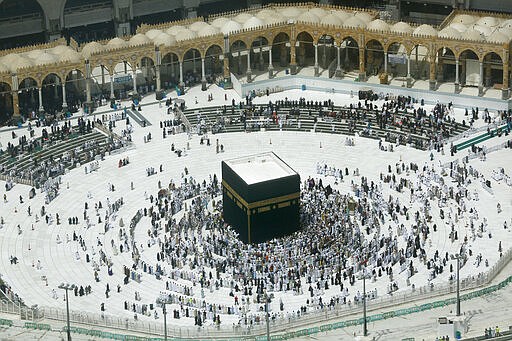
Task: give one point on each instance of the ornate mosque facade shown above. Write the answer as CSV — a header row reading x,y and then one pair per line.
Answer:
x,y
469,49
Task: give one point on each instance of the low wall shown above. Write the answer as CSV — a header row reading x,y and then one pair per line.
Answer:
x,y
345,86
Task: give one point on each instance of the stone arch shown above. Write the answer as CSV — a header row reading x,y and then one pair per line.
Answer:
x,y
213,62
305,50
51,86
445,61
6,102
281,49
192,66
259,48
420,65
28,96
237,57
326,50
493,70
75,89
101,76
397,54
469,61
146,75
374,57
169,69
349,53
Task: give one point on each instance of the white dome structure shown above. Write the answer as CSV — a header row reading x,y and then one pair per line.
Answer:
x,y
342,15
230,26
331,19
139,39
465,19
506,31
265,13
117,42
253,22
425,30
498,37
45,58
459,27
91,48
275,19
506,23
379,25
364,16
185,34
484,30
3,68
219,22
319,12
164,39
70,56
487,21
151,34
401,27
175,29
472,34
15,62
308,17
450,33
33,54
242,18
59,49
290,12
354,22
198,26
207,31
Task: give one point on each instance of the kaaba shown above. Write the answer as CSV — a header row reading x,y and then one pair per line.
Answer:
x,y
261,197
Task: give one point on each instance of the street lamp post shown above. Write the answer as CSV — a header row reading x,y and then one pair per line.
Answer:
x,y
164,310
457,257
267,313
67,287
365,328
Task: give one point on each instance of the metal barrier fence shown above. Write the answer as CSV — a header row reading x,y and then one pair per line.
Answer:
x,y
281,325
283,335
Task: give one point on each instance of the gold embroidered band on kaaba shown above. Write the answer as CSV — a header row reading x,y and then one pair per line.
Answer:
x,y
261,205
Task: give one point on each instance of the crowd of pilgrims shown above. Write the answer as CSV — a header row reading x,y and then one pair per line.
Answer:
x,y
342,237
41,170
198,257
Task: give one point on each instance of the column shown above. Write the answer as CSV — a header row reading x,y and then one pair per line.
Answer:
x,y
362,72
386,62
316,61
203,76
41,108
270,66
182,84
293,57
15,105
173,67
338,72
88,90
432,74
112,96
102,77
504,89
158,81
481,80
409,80
457,85
249,71
226,67
64,102
134,77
